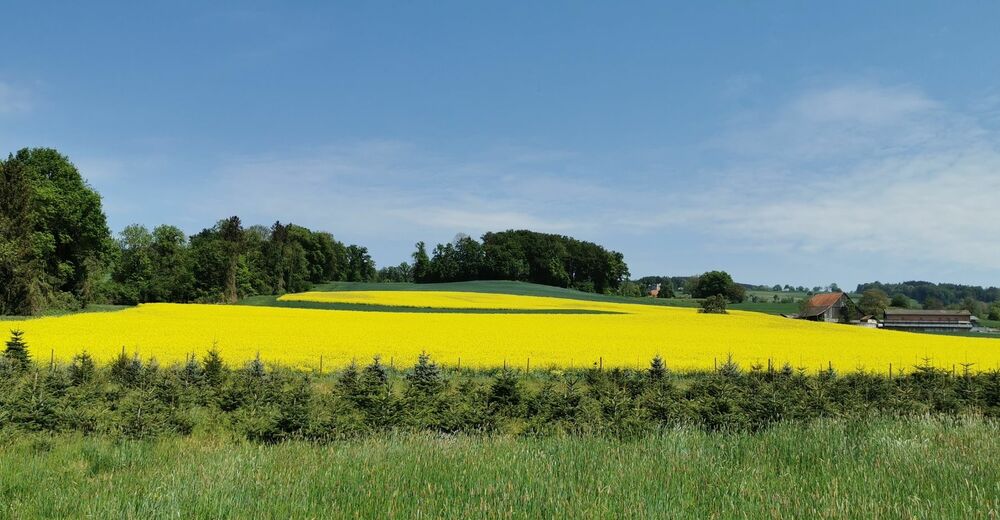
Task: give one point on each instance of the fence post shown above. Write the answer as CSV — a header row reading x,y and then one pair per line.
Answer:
x,y
527,366
600,362
890,371
321,364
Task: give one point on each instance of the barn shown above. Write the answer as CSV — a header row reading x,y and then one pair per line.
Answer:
x,y
927,320
830,307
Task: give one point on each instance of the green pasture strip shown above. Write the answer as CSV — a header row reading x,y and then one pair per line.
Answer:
x,y
503,287
272,301
767,308
923,468
530,289
960,333
87,309
993,324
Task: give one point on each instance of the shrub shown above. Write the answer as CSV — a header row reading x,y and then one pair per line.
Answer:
x,y
657,368
17,351
714,305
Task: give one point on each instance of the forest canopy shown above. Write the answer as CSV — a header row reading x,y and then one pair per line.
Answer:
x,y
57,252
523,255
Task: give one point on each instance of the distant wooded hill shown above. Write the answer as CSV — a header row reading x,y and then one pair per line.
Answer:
x,y
939,293
525,256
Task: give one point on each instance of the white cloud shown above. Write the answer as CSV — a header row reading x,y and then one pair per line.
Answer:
x,y
14,99
864,104
858,170
868,172
399,189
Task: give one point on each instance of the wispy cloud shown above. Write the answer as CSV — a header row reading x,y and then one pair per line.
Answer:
x,y
860,170
401,189
857,169
14,99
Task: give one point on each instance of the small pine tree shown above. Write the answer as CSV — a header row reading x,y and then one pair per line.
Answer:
x,y
505,392
255,368
17,350
426,378
348,380
82,369
730,368
657,368
213,369
374,376
126,370
192,372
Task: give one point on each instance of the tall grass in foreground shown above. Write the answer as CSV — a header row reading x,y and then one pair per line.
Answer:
x,y
883,469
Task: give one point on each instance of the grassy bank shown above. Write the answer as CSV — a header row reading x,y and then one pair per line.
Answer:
x,y
895,469
88,308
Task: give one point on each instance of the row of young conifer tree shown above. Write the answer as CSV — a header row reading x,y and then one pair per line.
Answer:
x,y
132,398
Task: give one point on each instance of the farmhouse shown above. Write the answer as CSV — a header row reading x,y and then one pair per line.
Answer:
x,y
927,320
825,307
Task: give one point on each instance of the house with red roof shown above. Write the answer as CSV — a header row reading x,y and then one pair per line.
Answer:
x,y
832,307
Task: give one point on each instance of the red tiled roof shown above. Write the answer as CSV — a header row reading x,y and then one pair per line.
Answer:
x,y
819,303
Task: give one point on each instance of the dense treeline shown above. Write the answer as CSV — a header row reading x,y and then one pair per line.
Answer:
x,y
56,251
525,256
137,399
227,262
668,285
936,295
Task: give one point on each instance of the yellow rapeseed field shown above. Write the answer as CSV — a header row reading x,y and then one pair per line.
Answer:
x,y
684,338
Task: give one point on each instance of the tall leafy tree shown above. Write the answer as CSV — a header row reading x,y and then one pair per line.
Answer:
x,y
133,271
22,281
715,283
469,256
231,233
874,302
360,266
70,236
421,264
173,280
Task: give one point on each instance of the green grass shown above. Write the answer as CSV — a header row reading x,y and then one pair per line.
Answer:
x,y
767,308
993,324
89,308
769,295
272,301
878,469
483,286
489,287
498,287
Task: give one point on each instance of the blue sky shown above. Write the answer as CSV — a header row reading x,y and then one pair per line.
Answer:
x,y
783,142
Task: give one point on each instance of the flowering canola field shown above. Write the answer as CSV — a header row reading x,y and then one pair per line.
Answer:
x,y
685,339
